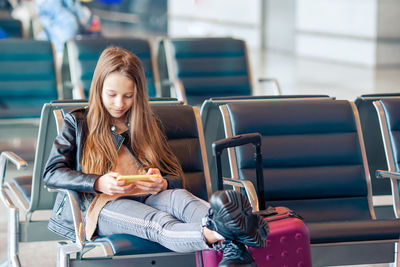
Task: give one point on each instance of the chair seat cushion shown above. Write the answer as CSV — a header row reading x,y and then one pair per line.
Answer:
x,y
354,231
125,244
24,185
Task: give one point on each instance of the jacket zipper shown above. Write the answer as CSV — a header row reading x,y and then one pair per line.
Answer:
x,y
61,207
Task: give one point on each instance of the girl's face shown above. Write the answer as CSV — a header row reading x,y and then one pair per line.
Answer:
x,y
117,95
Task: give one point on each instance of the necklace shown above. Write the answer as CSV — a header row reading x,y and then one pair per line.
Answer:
x,y
114,128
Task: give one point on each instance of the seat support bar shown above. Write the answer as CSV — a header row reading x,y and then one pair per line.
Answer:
x,y
147,260
12,233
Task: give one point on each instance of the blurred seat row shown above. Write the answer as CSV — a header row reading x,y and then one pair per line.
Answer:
x,y
190,69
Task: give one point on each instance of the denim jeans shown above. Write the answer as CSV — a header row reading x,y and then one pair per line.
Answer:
x,y
172,218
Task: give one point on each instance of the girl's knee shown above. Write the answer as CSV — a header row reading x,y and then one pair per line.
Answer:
x,y
180,192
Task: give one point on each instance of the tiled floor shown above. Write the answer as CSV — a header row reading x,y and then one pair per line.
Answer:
x,y
296,75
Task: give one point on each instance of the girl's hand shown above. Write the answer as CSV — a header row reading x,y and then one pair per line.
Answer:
x,y
109,185
159,183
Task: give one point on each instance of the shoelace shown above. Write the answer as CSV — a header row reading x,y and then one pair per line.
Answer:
x,y
210,222
237,252
231,250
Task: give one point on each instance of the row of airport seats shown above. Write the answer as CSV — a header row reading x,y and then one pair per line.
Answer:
x,y
212,121
81,56
34,196
28,75
314,163
201,68
28,79
191,69
30,105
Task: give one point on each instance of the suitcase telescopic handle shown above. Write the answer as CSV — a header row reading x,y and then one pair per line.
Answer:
x,y
239,140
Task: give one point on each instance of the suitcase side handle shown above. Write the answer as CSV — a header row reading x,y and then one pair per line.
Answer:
x,y
239,140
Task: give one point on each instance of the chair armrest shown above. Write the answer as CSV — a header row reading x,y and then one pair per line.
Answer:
x,y
249,189
7,201
387,174
77,214
78,92
271,80
177,88
14,159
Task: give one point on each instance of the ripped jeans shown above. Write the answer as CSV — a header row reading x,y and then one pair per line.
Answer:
x,y
172,218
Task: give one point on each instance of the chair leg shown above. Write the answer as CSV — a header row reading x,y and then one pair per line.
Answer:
x,y
62,256
13,238
15,261
10,262
64,250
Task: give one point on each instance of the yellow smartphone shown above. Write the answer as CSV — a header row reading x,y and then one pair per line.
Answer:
x,y
134,178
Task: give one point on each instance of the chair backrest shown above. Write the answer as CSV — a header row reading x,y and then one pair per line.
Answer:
x,y
214,127
207,67
373,140
313,156
12,27
28,78
186,139
41,198
84,53
388,110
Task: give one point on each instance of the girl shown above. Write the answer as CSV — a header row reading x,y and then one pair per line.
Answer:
x,y
118,135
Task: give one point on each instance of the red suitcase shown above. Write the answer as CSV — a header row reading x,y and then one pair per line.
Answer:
x,y
288,244
288,241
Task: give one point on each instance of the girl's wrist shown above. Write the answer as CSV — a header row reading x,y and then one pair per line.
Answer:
x,y
165,187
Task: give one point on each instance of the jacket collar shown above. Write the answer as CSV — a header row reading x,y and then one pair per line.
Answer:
x,y
119,139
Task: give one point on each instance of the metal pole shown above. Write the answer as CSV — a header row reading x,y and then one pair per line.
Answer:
x,y
263,25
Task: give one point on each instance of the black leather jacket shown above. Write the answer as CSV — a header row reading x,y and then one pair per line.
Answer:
x,y
64,170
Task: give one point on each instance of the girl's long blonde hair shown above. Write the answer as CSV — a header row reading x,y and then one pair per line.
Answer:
x,y
147,140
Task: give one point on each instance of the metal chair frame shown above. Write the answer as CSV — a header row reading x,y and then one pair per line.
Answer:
x,y
40,199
